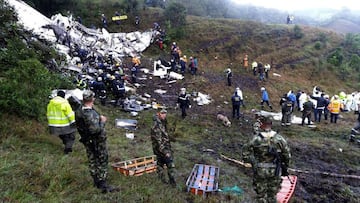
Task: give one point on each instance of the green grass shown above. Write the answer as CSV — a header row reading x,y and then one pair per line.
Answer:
x,y
34,169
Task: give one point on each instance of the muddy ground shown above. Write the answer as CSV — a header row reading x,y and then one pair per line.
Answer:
x,y
315,150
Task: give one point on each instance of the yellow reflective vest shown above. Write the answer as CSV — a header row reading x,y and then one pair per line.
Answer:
x,y
59,113
334,106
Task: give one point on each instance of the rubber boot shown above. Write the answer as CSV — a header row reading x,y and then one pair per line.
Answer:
x,y
106,188
96,182
172,181
160,172
67,150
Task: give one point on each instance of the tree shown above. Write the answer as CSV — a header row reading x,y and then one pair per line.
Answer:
x,y
176,13
336,57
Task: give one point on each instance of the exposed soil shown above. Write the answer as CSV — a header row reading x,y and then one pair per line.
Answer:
x,y
319,157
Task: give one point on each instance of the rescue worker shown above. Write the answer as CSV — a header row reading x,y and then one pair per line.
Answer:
x,y
260,70
239,92
104,20
236,102
184,102
183,62
61,120
267,70
228,76
321,104
269,155
265,98
254,66
133,74
101,90
162,147
81,82
118,89
246,61
334,109
91,127
192,66
286,110
308,106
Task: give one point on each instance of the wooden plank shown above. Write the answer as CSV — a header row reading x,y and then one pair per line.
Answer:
x,y
136,167
203,179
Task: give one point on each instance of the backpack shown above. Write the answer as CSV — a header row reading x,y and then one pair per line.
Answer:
x,y
287,107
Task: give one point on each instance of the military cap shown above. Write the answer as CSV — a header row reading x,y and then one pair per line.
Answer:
x,y
163,111
88,95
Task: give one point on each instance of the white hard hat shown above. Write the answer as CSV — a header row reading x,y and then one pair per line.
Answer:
x,y
238,88
99,79
262,88
183,89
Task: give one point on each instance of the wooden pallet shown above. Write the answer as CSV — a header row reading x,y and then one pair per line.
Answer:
x,y
136,167
203,179
287,189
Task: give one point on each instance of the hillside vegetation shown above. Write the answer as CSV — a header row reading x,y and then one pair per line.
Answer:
x,y
34,169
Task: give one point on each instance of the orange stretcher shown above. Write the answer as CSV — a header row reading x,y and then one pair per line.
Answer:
x,y
287,189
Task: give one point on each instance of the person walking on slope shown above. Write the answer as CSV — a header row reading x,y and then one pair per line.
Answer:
x,y
184,102
91,127
334,109
228,76
246,62
265,98
162,147
269,155
260,70
61,120
236,102
254,67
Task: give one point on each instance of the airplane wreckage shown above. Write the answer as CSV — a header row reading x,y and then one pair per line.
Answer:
x,y
77,43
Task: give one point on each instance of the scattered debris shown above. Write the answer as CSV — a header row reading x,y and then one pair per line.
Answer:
x,y
277,75
160,91
130,135
202,99
126,123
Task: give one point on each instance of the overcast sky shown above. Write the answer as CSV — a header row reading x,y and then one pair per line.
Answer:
x,y
288,5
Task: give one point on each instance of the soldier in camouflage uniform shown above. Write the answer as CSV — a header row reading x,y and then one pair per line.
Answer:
x,y
91,127
269,155
162,147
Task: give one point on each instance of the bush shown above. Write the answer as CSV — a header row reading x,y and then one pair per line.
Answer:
x,y
317,45
298,32
25,88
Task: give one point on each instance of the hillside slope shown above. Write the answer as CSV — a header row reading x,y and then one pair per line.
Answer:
x,y
34,169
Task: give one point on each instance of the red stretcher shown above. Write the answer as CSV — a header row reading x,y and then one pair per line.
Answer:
x,y
287,189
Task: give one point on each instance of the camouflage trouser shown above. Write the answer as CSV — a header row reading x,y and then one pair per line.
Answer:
x,y
266,184
161,161
98,159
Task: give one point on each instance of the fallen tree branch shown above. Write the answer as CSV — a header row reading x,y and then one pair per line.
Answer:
x,y
324,173
248,165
